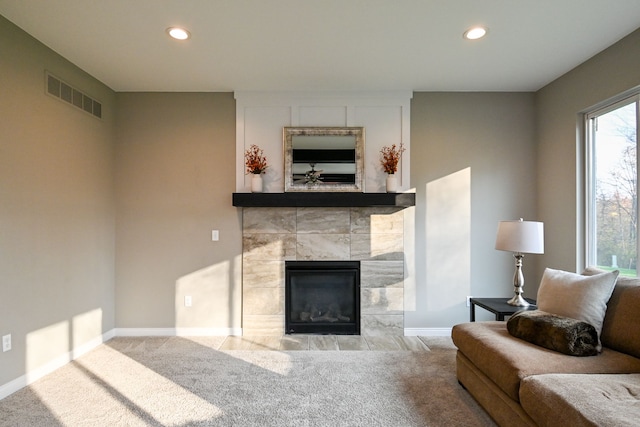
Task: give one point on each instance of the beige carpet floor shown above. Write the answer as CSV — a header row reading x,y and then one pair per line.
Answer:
x,y
173,381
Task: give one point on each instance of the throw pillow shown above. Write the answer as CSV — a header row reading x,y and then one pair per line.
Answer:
x,y
576,296
562,334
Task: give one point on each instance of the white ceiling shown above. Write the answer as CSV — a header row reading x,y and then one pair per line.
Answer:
x,y
325,44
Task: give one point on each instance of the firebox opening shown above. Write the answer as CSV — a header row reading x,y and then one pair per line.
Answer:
x,y
322,297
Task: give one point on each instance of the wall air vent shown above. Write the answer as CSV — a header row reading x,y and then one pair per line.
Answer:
x,y
71,95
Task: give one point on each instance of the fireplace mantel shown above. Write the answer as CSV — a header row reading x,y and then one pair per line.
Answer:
x,y
323,199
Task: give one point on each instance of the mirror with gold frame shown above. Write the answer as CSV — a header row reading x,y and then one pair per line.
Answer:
x,y
323,158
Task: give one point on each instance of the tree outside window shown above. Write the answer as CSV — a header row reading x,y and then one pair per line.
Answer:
x,y
612,196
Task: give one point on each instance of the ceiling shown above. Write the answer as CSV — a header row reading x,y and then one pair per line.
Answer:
x,y
322,45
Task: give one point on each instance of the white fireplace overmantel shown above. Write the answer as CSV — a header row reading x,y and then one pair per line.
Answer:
x,y
262,116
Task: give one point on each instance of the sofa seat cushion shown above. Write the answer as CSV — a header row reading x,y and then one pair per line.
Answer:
x,y
582,400
507,360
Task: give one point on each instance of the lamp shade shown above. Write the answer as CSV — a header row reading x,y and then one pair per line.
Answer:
x,y
520,236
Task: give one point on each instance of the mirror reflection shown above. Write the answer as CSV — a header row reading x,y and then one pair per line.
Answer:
x,y
328,159
323,159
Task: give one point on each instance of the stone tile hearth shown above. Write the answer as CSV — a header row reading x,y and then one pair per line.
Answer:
x,y
303,342
372,235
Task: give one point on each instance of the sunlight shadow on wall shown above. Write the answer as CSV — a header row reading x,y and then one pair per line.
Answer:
x,y
47,344
50,347
86,327
53,346
448,240
214,299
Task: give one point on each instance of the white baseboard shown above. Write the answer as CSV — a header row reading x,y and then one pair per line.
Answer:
x,y
145,332
179,332
427,332
206,332
58,362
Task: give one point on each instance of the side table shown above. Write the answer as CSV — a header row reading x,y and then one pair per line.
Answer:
x,y
497,306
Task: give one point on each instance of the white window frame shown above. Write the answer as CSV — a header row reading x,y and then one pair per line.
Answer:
x,y
589,123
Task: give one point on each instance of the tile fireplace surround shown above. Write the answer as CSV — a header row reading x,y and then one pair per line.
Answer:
x,y
372,235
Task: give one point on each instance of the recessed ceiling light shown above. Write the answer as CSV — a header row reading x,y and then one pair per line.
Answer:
x,y
178,33
475,33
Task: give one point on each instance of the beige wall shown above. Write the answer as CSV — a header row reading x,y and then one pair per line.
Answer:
x,y
175,173
472,164
558,105
56,208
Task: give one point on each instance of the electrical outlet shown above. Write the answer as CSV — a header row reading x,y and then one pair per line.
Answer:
x,y
188,302
469,300
6,343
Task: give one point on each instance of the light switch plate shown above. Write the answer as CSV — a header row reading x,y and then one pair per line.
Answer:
x,y
215,235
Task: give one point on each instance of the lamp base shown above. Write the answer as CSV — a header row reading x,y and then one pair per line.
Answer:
x,y
518,283
518,301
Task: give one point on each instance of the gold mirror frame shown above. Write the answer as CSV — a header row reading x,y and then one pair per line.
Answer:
x,y
291,184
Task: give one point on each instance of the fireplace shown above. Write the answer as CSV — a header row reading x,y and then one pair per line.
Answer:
x,y
322,297
372,236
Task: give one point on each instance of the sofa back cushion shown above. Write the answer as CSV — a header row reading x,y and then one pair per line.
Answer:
x,y
621,327
577,296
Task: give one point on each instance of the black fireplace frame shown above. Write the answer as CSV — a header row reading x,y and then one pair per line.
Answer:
x,y
322,328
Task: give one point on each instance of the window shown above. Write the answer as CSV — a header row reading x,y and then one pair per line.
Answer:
x,y
612,186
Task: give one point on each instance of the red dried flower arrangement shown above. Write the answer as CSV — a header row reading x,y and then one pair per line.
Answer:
x,y
255,160
390,156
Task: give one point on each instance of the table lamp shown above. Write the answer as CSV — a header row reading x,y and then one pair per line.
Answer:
x,y
520,237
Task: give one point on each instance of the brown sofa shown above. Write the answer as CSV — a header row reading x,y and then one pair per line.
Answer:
x,y
522,384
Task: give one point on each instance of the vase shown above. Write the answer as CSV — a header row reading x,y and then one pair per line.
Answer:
x,y
256,183
392,183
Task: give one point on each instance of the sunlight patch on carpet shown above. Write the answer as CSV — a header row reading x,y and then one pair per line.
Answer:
x,y
120,386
